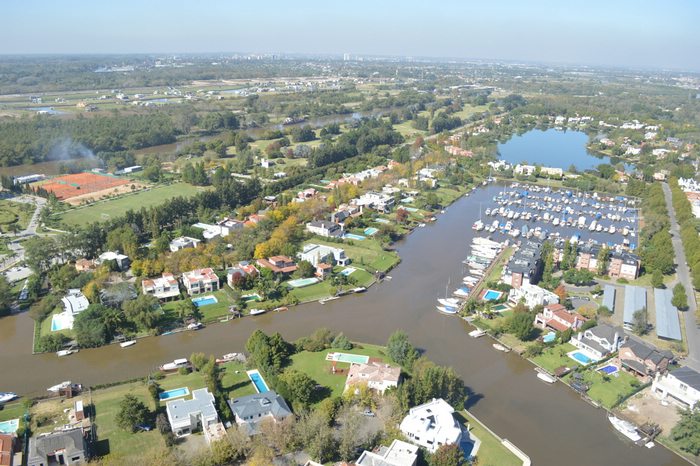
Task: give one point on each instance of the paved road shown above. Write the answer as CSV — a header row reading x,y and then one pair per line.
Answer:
x,y
691,327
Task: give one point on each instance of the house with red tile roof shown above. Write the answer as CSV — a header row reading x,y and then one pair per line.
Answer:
x,y
558,318
278,264
7,448
200,281
163,288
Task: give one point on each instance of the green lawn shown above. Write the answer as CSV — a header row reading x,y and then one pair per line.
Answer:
x,y
210,313
367,254
314,292
14,213
491,452
12,410
610,393
469,110
315,366
45,326
555,357
407,130
104,210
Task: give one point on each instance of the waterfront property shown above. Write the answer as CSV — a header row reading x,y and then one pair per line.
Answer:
x,y
348,358
200,281
681,386
202,301
583,357
73,304
258,381
164,288
399,453
525,266
492,295
302,282
174,393
62,447
8,445
250,410
9,427
185,416
278,264
431,425
532,295
558,318
642,359
320,253
599,341
668,326
377,376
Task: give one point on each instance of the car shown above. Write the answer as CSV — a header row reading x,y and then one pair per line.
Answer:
x,y
368,413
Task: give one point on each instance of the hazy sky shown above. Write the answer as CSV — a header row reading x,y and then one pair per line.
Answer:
x,y
657,34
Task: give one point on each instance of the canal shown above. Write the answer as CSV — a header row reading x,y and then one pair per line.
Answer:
x,y
549,422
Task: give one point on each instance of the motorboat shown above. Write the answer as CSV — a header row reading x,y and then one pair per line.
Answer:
x,y
195,326
450,302
60,386
126,344
228,357
462,292
281,309
500,347
175,365
256,312
476,333
7,396
66,352
625,428
321,301
545,377
447,309
359,289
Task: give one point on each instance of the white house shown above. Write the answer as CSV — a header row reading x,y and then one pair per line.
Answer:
x,y
600,340
74,302
399,453
681,386
525,170
212,231
431,425
324,228
200,281
183,242
377,376
533,295
121,260
186,416
164,287
377,201
318,253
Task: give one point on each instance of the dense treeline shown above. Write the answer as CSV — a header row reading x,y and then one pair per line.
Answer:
x,y
654,239
689,230
44,138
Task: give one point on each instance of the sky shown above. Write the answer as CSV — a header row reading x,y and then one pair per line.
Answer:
x,y
641,33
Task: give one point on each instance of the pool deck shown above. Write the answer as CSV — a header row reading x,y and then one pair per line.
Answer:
x,y
160,395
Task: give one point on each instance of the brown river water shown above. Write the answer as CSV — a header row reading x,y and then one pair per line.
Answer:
x,y
550,423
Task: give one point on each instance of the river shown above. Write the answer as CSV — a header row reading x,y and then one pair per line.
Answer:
x,y
548,422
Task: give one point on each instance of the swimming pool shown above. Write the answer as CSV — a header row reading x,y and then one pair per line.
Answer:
x,y
347,271
204,301
9,427
251,297
258,381
354,236
382,220
300,282
609,369
411,209
62,321
369,231
550,337
347,357
500,308
174,393
579,357
492,295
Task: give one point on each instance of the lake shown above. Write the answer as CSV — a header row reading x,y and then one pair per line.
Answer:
x,y
551,148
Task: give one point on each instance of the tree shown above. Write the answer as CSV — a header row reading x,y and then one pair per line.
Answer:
x,y
341,342
5,296
301,386
657,279
132,413
400,349
90,330
679,299
521,326
306,269
686,432
401,216
142,311
448,455
185,308
639,321
39,253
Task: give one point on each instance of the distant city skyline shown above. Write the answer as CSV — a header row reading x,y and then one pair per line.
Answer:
x,y
624,33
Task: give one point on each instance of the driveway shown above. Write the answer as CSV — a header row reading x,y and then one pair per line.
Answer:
x,y
691,327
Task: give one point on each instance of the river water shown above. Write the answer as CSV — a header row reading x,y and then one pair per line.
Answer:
x,y
549,423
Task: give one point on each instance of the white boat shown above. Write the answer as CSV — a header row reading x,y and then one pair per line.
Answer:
x,y
478,225
7,396
450,302
500,347
66,352
461,292
60,386
359,289
477,333
545,377
175,365
421,225
195,326
625,231
625,428
599,228
255,312
612,229
478,273
447,309
126,344
228,357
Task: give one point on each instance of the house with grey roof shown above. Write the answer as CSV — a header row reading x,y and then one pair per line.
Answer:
x,y
601,340
185,416
251,409
681,386
643,359
67,447
399,453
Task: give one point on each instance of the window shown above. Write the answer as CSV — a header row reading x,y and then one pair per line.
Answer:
x,y
683,387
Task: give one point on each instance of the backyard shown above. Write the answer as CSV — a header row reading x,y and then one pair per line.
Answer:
x,y
367,254
491,451
554,357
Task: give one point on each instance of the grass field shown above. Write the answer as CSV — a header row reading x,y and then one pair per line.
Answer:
x,y
104,210
14,215
555,357
367,254
210,312
491,452
315,366
611,391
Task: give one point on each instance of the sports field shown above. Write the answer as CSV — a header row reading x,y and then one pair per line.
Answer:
x,y
67,186
105,210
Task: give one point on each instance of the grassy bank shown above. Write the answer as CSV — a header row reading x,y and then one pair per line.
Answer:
x,y
491,451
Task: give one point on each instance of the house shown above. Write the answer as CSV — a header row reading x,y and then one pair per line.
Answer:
x,y
378,376
553,172
210,232
7,450
399,453
231,224
624,265
120,260
377,201
681,386
84,265
243,269
74,302
431,425
67,447
185,416
643,359
253,219
184,242
532,295
200,281
558,318
525,266
278,264
319,253
323,270
524,170
601,340
326,229
249,410
163,288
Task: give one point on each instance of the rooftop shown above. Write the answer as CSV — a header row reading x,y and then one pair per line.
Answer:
x,y
667,322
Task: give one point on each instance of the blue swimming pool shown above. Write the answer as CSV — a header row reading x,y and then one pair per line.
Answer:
x,y
9,427
492,295
354,236
300,282
550,337
175,393
580,357
258,381
204,301
609,369
382,220
369,231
